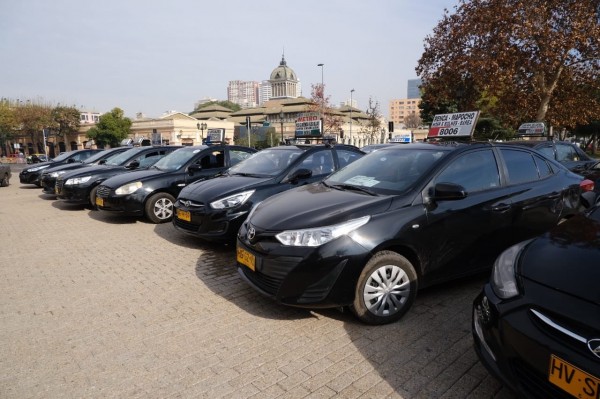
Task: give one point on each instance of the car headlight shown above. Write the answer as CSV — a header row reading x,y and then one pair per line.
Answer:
x,y
128,188
56,174
320,235
37,168
232,200
504,280
77,180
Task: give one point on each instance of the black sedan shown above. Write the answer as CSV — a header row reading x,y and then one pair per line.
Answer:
x,y
399,219
215,209
79,186
565,152
536,325
49,175
151,193
31,175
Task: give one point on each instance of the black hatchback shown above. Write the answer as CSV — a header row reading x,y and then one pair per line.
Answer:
x,y
536,325
215,209
400,219
152,192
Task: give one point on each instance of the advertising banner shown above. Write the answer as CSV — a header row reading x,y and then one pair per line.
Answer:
x,y
308,125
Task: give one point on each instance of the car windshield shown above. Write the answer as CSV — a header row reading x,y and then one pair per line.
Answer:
x,y
122,157
177,159
386,171
96,156
61,157
269,162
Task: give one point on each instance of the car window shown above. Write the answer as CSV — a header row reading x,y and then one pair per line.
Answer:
x,y
237,156
565,152
319,163
268,162
542,166
387,171
150,158
520,165
212,160
475,171
346,157
547,151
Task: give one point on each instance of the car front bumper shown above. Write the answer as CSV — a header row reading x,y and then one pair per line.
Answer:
x,y
526,350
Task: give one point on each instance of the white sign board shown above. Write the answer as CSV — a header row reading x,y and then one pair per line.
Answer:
x,y
534,128
308,125
402,137
215,135
453,125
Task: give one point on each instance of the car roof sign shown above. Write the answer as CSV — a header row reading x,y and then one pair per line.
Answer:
x,y
461,124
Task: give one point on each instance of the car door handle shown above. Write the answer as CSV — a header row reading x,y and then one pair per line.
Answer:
x,y
501,207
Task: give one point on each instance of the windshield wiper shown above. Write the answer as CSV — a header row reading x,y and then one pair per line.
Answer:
x,y
246,174
352,187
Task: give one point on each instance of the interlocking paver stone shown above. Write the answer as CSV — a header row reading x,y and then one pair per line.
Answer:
x,y
96,305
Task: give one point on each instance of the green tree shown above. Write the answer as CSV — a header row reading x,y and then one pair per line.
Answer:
x,y
8,124
538,58
111,129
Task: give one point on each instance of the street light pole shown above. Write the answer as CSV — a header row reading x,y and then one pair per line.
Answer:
x,y
322,100
281,121
351,105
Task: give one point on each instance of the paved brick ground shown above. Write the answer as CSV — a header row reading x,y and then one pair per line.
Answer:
x,y
95,305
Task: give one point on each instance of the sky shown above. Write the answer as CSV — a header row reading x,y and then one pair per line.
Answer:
x,y
153,56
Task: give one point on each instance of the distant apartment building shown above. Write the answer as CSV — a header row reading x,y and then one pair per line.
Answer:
x,y
412,88
243,93
401,108
265,91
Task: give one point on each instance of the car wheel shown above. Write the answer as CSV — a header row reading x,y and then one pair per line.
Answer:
x,y
385,290
93,198
159,208
4,182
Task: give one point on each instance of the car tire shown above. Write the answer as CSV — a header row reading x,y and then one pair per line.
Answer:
x,y
4,182
374,300
159,208
93,191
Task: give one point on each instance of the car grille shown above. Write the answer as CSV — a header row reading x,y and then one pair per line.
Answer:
x,y
185,225
535,384
103,191
268,284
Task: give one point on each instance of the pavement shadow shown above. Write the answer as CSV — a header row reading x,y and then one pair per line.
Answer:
x,y
112,218
169,233
65,206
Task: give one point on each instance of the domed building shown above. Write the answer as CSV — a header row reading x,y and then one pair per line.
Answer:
x,y
284,82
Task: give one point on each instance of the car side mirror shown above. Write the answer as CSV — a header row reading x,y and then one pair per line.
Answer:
x,y
299,174
193,169
102,162
70,160
133,165
448,192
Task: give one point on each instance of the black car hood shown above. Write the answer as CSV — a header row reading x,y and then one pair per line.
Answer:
x,y
315,205
67,166
38,164
221,186
92,170
566,259
138,175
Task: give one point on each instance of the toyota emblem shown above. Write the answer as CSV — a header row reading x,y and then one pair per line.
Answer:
x,y
251,233
594,345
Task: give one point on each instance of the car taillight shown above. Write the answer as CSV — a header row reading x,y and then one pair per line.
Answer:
x,y
586,185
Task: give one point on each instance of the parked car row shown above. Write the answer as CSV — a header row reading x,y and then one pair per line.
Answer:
x,y
327,226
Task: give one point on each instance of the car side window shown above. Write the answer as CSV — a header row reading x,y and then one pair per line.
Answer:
x,y
149,159
475,171
520,165
346,157
215,159
319,162
565,153
542,166
547,151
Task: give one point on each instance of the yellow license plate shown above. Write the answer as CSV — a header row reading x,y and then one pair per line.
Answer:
x,y
246,258
99,201
573,380
184,215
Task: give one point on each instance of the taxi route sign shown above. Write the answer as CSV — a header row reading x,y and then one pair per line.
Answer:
x,y
459,124
308,125
532,128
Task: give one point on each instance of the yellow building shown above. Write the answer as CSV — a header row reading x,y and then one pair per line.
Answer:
x,y
400,109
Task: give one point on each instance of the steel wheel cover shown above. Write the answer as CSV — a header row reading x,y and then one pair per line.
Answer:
x,y
386,290
163,208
